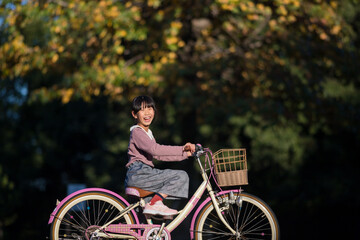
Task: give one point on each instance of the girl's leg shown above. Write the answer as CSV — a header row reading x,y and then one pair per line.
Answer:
x,y
174,183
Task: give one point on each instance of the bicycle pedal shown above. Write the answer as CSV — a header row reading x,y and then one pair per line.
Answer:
x,y
171,217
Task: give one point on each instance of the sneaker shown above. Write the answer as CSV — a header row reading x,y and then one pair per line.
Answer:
x,y
159,209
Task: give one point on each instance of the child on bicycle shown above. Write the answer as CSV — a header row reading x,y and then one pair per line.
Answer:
x,y
142,149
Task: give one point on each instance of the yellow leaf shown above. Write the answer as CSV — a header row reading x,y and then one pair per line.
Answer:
x,y
260,6
200,74
55,58
103,33
181,43
176,24
57,29
251,4
69,41
248,55
163,60
67,94
60,49
141,80
98,18
296,3
106,60
282,19
272,23
11,19
333,4
171,40
232,49
336,29
123,33
204,86
154,3
102,4
134,9
282,10
291,18
113,12
91,41
245,75
323,36
243,7
120,50
252,17
172,55
6,47
96,91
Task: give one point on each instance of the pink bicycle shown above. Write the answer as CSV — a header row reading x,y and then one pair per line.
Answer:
x,y
96,213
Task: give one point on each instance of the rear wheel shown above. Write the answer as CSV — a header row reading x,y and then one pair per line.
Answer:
x,y
84,213
251,218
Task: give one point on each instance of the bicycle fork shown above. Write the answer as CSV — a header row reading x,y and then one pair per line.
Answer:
x,y
218,211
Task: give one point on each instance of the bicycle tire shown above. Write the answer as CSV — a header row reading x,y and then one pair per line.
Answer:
x,y
85,212
254,220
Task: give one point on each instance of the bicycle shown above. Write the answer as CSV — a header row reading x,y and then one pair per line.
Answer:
x,y
96,213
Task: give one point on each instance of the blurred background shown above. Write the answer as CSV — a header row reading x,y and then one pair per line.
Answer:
x,y
279,78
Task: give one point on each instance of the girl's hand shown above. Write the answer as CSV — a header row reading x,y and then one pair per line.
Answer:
x,y
189,148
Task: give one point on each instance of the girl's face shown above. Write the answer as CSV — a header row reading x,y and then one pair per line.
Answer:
x,y
144,116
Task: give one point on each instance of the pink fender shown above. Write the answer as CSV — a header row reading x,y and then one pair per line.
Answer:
x,y
201,207
52,215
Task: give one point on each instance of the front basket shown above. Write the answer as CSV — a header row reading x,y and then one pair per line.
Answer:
x,y
231,167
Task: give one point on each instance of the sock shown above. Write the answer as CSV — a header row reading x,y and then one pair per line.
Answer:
x,y
157,197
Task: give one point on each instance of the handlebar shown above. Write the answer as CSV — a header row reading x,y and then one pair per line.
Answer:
x,y
199,150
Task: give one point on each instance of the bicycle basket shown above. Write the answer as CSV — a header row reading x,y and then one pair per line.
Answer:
x,y
231,167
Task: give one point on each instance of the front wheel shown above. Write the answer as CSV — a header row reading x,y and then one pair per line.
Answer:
x,y
84,213
248,215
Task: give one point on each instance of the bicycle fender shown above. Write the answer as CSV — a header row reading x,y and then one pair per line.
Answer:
x,y
201,207
58,206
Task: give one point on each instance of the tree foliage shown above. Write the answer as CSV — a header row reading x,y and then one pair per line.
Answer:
x,y
278,77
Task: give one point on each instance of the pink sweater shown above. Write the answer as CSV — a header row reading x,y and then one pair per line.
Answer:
x,y
143,147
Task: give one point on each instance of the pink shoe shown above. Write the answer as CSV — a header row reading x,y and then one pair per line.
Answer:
x,y
159,209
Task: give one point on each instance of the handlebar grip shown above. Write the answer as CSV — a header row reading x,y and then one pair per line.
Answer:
x,y
198,147
198,150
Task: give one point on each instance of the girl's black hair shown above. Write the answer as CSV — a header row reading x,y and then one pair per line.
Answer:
x,y
138,101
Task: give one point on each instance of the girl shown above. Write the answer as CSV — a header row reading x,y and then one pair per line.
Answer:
x,y
142,149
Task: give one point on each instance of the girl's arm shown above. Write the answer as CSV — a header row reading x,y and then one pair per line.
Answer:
x,y
158,151
171,158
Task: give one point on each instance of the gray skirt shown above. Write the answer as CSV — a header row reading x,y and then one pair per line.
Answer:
x,y
174,183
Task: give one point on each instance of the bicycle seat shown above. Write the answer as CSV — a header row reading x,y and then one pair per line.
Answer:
x,y
137,192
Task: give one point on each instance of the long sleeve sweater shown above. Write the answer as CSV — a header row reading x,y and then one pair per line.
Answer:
x,y
143,147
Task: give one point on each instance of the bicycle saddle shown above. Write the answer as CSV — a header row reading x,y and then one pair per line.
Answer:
x,y
137,192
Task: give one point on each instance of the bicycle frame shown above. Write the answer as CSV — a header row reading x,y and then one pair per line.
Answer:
x,y
180,217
